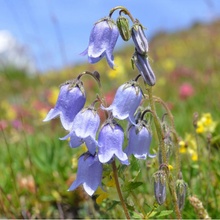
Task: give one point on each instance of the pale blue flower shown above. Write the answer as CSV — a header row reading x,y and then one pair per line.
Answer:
x,y
102,41
70,101
139,140
127,98
84,128
110,143
89,174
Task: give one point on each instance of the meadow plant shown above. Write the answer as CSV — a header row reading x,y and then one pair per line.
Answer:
x,y
132,124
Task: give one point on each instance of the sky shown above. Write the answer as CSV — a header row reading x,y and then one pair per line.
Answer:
x,y
55,32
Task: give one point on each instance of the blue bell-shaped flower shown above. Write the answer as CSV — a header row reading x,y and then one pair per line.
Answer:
x,y
139,38
102,41
84,128
89,173
127,98
110,143
139,140
70,101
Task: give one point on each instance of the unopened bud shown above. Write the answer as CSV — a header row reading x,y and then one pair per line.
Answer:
x,y
139,38
181,188
160,186
144,68
123,27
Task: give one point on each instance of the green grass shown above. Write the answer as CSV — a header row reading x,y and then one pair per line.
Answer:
x,y
36,167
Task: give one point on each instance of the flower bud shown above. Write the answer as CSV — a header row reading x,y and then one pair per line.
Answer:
x,y
123,27
144,68
181,189
160,186
139,38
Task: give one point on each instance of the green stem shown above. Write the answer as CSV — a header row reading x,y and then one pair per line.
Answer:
x,y
176,139
124,10
163,152
158,126
115,173
172,188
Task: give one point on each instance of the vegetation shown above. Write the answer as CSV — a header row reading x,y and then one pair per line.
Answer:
x,y
37,168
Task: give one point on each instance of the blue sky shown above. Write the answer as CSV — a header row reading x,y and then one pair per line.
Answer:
x,y
56,31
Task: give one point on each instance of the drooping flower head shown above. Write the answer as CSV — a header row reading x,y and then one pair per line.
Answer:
x,y
127,98
84,128
110,143
144,68
70,101
139,38
89,173
102,41
139,140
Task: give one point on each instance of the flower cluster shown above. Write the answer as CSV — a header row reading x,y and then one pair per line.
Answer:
x,y
110,140
105,143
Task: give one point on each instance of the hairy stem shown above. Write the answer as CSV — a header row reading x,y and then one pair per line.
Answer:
x,y
163,152
158,126
124,10
115,173
176,140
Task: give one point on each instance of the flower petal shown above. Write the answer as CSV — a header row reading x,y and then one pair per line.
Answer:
x,y
69,103
138,142
127,99
110,143
89,174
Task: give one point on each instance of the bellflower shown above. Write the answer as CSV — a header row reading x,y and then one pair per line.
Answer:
x,y
110,143
89,174
144,68
102,41
127,99
139,140
139,38
70,101
84,128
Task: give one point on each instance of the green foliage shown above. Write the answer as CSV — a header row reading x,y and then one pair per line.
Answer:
x,y
37,168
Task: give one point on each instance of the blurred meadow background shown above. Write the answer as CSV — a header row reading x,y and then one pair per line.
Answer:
x,y
36,168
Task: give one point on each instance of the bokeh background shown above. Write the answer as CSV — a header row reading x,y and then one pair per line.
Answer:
x,y
40,43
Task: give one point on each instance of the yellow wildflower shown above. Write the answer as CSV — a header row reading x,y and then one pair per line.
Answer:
x,y
189,146
52,98
170,167
182,145
102,195
205,124
119,70
42,113
9,111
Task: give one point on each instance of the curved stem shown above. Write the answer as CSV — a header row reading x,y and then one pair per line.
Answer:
x,y
176,139
163,151
115,173
124,10
158,126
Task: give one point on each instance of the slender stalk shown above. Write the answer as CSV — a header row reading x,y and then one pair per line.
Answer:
x,y
115,173
176,140
13,176
124,10
158,126
163,152
174,197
